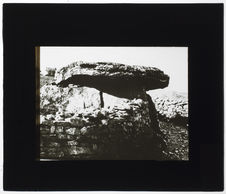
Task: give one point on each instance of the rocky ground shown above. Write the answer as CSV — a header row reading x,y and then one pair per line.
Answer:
x,y
172,108
177,141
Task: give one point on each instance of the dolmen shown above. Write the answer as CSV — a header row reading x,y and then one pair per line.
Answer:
x,y
101,111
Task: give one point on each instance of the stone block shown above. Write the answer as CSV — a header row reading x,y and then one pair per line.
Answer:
x,y
54,144
62,136
59,129
71,131
52,129
72,143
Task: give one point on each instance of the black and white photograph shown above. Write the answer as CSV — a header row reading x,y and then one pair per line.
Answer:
x,y
113,97
113,103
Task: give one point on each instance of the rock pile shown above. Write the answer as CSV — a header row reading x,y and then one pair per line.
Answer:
x,y
172,106
100,111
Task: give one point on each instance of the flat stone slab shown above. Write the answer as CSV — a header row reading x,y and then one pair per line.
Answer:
x,y
112,77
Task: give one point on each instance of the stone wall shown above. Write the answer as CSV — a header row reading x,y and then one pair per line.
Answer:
x,y
75,126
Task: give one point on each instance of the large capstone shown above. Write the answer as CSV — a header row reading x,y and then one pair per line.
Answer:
x,y
113,78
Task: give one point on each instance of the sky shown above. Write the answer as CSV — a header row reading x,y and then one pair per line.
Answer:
x,y
172,60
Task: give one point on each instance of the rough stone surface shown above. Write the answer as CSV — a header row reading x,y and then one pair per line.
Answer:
x,y
61,101
177,140
172,106
46,80
113,78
